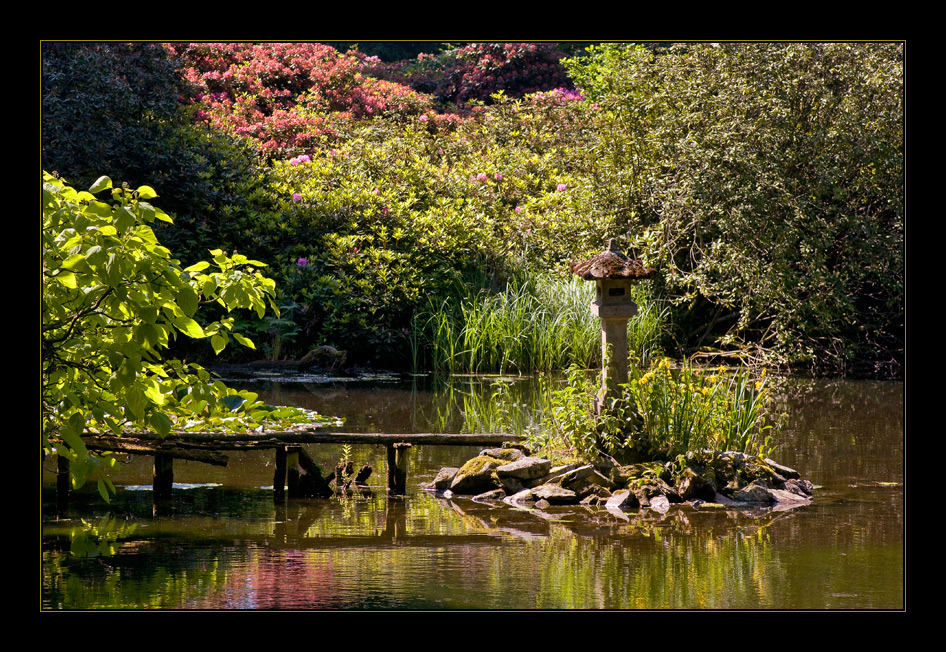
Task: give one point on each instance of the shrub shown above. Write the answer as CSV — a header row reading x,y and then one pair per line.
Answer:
x,y
398,215
766,181
116,109
288,97
476,71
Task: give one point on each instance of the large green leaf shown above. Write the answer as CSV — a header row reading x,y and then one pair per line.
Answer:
x,y
102,183
189,327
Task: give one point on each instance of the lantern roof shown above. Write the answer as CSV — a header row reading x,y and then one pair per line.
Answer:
x,y
611,264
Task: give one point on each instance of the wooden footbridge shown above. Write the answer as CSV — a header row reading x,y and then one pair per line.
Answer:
x,y
294,467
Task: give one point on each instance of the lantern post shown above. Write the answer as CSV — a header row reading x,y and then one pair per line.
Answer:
x,y
613,274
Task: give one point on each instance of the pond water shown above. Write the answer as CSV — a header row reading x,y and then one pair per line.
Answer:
x,y
225,543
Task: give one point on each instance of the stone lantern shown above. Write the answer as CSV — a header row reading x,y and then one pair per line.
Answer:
x,y
613,273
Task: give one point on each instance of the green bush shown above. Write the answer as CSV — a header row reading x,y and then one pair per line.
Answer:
x,y
117,109
363,235
766,181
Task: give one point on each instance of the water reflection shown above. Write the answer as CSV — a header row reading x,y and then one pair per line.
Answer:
x,y
233,547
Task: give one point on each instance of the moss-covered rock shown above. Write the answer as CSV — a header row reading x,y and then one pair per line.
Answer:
x,y
477,476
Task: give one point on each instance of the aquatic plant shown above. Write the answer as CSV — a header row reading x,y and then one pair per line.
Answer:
x,y
537,323
663,412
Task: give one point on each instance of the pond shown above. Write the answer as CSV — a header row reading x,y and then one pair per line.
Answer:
x,y
225,543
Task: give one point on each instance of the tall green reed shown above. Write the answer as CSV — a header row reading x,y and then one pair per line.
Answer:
x,y
537,323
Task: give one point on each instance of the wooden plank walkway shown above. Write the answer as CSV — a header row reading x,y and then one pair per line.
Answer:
x,y
292,461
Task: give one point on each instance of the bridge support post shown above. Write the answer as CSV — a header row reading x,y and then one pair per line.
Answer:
x,y
292,472
163,477
279,475
63,484
397,468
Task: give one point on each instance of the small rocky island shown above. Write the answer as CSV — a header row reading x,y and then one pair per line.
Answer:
x,y
727,479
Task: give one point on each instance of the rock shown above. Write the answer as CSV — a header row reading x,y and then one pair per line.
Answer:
x,y
601,480
754,493
576,475
648,488
622,499
693,485
800,487
752,469
511,485
659,504
444,479
787,498
555,494
584,488
527,468
557,472
489,496
476,476
508,454
784,471
623,475
522,497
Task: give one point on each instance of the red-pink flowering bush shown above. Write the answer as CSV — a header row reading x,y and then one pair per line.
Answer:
x,y
477,70
288,96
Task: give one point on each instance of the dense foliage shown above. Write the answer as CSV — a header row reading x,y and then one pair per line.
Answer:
x,y
360,234
764,180
475,71
117,109
113,299
288,98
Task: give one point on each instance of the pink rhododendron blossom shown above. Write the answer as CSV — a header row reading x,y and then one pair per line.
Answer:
x,y
498,177
296,197
481,176
302,262
561,187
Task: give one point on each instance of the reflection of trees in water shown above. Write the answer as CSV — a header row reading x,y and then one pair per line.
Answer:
x,y
841,432
235,549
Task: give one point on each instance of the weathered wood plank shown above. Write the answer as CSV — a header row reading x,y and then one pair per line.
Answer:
x,y
137,447
272,439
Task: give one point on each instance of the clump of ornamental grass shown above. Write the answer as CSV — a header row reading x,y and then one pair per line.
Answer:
x,y
535,324
538,323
